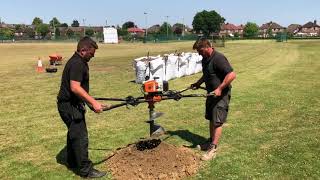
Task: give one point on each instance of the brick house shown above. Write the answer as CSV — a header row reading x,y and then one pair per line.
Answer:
x,y
229,29
154,29
293,29
310,29
136,31
270,27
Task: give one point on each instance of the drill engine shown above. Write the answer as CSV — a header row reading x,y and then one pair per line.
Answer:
x,y
153,89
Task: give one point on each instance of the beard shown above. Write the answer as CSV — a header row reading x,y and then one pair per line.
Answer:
x,y
88,57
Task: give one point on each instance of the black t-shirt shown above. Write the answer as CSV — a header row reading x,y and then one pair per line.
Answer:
x,y
76,69
215,68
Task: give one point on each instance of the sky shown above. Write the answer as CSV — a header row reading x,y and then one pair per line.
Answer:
x,y
145,13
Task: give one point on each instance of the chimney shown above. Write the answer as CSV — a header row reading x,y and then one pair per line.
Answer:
x,y
315,22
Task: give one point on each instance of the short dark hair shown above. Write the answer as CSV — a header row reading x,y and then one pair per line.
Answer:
x,y
86,42
201,43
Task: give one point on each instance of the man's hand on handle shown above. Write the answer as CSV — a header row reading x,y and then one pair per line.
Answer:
x,y
195,86
97,107
217,92
106,106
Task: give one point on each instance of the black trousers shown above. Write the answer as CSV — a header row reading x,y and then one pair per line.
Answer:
x,y
77,137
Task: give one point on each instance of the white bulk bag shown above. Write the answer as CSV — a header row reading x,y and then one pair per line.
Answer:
x,y
198,62
140,67
171,67
182,65
157,68
191,64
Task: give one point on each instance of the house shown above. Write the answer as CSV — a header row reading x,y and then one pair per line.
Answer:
x,y
229,29
20,31
270,29
293,28
154,29
136,31
310,29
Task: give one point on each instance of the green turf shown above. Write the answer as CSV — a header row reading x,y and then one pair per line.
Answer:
x,y
272,130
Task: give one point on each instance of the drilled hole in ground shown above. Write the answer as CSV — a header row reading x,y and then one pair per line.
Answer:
x,y
148,144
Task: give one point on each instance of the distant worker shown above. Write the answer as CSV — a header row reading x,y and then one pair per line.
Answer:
x,y
72,97
217,76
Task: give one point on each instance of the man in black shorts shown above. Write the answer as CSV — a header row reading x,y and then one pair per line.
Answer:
x,y
72,97
217,76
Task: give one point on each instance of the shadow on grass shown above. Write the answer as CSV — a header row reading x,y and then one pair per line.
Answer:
x,y
61,158
194,139
103,160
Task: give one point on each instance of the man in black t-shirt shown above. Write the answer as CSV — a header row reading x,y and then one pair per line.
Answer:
x,y
217,76
72,97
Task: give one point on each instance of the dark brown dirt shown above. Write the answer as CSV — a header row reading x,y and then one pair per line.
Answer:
x,y
153,159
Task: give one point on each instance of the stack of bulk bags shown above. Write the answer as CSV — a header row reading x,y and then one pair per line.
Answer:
x,y
171,67
168,67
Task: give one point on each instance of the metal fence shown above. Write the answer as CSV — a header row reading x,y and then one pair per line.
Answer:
x,y
150,38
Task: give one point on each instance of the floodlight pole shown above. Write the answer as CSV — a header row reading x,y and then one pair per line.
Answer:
x,y
54,28
84,27
183,28
146,18
167,27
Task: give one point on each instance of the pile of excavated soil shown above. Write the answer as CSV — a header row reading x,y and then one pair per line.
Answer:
x,y
153,159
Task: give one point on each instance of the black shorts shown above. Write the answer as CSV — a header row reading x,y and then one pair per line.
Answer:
x,y
217,109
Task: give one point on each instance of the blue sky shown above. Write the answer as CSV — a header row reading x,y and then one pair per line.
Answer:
x,y
118,12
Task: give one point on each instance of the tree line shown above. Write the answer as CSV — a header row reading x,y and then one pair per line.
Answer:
x,y
204,22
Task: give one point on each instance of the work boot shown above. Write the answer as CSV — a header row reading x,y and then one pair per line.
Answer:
x,y
95,174
205,146
210,154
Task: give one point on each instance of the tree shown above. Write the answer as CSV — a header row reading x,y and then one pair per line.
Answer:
x,y
18,28
178,28
250,30
122,32
75,23
30,32
6,33
57,33
128,24
89,32
54,22
236,35
165,29
37,21
70,33
42,29
269,32
99,35
207,22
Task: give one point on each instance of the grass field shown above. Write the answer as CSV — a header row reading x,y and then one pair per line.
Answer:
x,y
273,125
